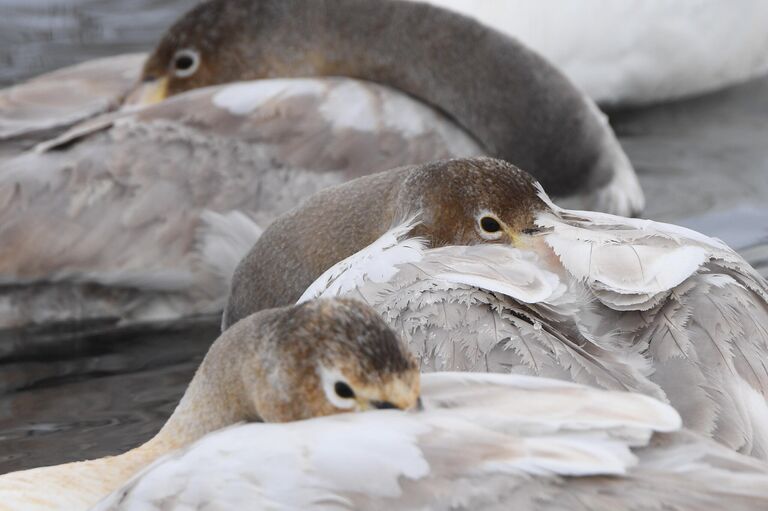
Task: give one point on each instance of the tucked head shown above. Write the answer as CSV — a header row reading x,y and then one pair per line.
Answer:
x,y
471,200
458,202
515,104
197,51
320,358
221,41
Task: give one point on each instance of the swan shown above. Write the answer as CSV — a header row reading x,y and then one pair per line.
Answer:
x,y
478,270
287,364
636,51
511,100
141,215
480,441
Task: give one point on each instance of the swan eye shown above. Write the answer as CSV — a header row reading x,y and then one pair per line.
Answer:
x,y
490,225
185,63
343,390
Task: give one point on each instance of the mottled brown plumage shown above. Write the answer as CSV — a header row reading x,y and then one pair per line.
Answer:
x,y
519,106
450,198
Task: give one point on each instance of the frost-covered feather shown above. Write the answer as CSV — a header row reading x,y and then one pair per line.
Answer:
x,y
658,309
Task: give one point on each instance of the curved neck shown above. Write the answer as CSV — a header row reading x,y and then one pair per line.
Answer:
x,y
517,105
214,399
294,250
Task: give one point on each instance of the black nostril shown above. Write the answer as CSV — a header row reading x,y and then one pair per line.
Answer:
x,y
149,78
383,405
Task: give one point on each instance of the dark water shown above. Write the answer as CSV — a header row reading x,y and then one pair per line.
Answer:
x,y
67,397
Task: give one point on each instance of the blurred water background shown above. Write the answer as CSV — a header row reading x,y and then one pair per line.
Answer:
x,y
63,396
41,35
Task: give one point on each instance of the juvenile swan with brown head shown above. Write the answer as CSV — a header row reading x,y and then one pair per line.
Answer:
x,y
317,359
458,202
518,106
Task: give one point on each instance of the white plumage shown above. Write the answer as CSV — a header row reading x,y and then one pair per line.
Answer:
x,y
597,299
481,442
637,51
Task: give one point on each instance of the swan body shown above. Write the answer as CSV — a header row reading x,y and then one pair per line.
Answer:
x,y
377,41
481,442
53,101
142,216
593,298
146,212
600,300
637,51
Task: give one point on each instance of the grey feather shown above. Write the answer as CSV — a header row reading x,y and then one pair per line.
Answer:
x,y
106,222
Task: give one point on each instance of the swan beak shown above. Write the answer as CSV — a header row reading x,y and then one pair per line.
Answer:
x,y
384,405
515,239
148,92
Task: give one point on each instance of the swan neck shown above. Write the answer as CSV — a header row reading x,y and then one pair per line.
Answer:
x,y
215,398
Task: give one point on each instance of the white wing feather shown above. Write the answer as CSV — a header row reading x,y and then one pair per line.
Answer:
x,y
696,309
600,300
378,262
481,442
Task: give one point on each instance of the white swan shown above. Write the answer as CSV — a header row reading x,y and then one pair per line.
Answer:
x,y
494,277
637,51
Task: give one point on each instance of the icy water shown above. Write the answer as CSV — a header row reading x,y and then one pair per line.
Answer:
x,y
64,397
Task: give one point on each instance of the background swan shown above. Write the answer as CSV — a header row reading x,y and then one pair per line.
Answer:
x,y
494,277
637,51
143,216
512,101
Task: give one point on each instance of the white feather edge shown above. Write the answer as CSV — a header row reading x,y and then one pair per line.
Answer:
x,y
537,426
224,239
382,259
622,259
378,262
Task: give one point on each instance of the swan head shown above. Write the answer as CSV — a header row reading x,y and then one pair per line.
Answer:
x,y
469,201
222,41
199,50
461,202
320,358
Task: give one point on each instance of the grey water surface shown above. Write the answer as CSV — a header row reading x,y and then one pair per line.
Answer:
x,y
63,396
